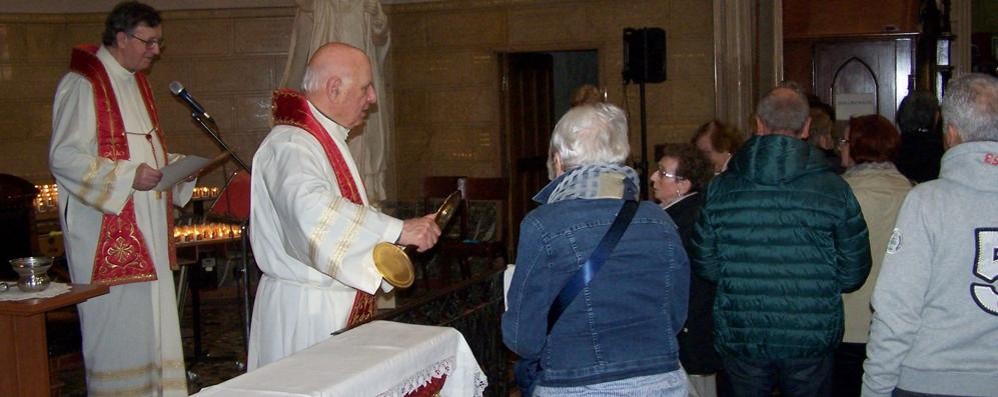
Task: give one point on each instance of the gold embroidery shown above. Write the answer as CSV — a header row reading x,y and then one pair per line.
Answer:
x,y
347,240
120,251
143,390
321,228
175,366
88,179
109,180
122,373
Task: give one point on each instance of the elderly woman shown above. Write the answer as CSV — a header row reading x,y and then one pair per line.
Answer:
x,y
618,335
868,146
717,141
682,176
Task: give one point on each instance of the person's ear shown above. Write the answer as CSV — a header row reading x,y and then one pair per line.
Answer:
x,y
333,87
806,130
952,137
558,167
119,39
826,142
759,126
684,186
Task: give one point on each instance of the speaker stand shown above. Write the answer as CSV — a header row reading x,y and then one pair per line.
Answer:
x,y
643,163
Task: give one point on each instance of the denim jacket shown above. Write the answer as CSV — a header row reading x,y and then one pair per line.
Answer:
x,y
624,323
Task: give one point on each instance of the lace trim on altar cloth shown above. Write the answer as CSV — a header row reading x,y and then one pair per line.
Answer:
x,y
441,368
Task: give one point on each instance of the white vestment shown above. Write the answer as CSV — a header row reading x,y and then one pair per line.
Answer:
x,y
131,336
313,245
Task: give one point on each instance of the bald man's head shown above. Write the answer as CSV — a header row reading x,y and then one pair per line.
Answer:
x,y
339,83
785,111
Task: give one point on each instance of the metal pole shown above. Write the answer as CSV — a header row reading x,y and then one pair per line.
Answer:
x,y
644,143
213,133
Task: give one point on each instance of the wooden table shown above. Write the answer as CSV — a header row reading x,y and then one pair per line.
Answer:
x,y
24,364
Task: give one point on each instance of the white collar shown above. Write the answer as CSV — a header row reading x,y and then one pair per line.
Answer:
x,y
335,130
114,69
678,200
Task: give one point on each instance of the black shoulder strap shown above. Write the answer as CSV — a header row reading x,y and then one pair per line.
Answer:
x,y
585,274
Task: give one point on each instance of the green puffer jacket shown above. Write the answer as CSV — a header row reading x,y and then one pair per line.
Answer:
x,y
783,237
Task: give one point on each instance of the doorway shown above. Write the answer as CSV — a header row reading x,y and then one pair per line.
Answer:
x,y
536,89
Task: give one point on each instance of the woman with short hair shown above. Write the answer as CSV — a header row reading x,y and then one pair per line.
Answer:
x,y
678,185
869,146
617,336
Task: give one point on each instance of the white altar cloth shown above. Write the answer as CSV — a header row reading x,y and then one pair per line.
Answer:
x,y
381,358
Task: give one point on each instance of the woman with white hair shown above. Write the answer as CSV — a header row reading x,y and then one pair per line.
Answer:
x,y
589,316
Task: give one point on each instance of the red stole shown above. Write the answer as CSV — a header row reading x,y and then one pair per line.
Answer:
x,y
291,108
122,256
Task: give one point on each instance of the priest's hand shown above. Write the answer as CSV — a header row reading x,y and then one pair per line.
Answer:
x,y
146,177
420,232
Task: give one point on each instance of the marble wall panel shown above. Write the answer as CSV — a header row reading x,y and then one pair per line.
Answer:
x,y
185,37
252,112
485,27
262,36
409,30
234,74
443,67
45,42
35,81
474,104
565,24
412,106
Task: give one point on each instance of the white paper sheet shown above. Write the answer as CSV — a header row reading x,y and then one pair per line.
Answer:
x,y
181,169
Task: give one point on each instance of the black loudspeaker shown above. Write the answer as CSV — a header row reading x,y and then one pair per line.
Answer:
x,y
644,55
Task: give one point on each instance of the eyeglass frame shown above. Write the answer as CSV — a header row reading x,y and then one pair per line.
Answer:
x,y
150,43
666,174
843,142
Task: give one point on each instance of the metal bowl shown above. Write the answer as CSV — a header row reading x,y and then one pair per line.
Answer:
x,y
32,272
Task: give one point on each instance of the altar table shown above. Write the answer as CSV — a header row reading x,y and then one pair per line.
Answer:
x,y
24,366
381,358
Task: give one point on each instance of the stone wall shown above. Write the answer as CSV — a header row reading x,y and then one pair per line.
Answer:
x,y
447,78
229,59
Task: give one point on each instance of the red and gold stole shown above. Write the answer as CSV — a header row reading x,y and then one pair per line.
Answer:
x,y
122,256
291,108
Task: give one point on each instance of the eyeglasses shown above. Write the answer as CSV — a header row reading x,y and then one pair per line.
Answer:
x,y
843,142
149,43
667,174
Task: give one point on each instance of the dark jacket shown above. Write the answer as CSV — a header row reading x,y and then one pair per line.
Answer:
x,y
783,237
696,340
624,323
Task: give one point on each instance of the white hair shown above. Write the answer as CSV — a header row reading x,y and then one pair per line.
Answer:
x,y
311,81
971,106
590,134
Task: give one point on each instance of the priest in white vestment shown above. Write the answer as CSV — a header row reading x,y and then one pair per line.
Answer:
x,y
105,153
311,226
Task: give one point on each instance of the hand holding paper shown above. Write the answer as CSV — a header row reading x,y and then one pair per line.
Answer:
x,y
184,168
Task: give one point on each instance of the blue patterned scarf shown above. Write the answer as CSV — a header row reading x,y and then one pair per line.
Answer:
x,y
592,182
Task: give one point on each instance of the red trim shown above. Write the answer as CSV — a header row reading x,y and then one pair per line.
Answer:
x,y
432,388
121,256
291,108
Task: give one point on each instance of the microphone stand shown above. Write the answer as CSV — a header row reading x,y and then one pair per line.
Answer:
x,y
208,125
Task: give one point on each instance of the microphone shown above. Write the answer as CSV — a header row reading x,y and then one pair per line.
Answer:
x,y
178,89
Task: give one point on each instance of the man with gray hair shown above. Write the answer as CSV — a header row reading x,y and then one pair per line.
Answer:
x,y
935,319
311,225
783,237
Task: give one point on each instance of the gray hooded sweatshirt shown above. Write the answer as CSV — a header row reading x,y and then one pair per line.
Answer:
x,y
935,321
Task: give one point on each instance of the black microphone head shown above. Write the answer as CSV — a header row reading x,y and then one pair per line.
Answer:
x,y
176,88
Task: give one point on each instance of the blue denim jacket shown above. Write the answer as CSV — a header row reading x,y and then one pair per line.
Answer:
x,y
624,323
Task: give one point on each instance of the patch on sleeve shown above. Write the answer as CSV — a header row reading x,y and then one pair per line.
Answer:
x,y
894,244
986,269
